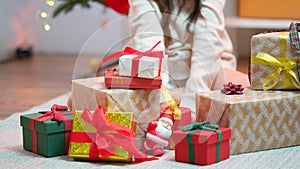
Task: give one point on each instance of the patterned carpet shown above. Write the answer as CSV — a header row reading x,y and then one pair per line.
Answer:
x,y
12,154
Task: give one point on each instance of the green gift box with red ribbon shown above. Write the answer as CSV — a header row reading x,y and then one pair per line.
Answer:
x,y
47,132
201,143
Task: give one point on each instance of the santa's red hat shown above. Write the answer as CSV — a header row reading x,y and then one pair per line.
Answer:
x,y
120,6
167,117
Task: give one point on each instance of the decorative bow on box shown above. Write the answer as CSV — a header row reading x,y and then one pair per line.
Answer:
x,y
54,114
230,89
108,136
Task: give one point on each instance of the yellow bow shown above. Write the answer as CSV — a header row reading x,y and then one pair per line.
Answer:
x,y
173,108
283,64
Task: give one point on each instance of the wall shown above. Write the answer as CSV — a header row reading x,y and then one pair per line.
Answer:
x,y
77,32
20,21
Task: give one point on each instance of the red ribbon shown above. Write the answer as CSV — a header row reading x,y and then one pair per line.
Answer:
x,y
54,114
135,60
108,134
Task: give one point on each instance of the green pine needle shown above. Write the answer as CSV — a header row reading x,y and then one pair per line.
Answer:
x,y
70,4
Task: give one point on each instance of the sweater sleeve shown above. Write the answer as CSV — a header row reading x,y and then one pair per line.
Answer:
x,y
145,29
211,51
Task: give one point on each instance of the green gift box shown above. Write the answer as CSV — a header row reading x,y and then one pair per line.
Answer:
x,y
45,135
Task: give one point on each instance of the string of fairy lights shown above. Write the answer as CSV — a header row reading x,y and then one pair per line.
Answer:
x,y
45,15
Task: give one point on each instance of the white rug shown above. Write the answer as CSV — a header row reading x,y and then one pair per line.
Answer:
x,y
12,154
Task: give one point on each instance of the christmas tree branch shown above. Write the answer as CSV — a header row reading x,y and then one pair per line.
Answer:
x,y
68,5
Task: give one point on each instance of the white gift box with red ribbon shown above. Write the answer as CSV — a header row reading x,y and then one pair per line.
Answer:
x,y
139,66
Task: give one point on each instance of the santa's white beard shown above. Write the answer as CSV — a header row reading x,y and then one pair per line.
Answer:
x,y
163,131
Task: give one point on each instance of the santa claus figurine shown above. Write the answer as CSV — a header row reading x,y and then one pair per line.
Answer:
x,y
158,134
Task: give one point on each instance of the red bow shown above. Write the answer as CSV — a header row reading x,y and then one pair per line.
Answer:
x,y
109,134
54,114
230,89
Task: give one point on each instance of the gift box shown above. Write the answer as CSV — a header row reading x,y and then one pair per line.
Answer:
x,y
83,144
202,143
144,103
113,80
135,63
141,65
269,9
259,120
273,62
44,135
184,119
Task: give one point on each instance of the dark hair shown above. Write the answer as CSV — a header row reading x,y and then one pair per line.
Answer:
x,y
167,6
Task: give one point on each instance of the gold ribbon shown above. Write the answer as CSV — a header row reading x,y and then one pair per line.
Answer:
x,y
173,108
283,64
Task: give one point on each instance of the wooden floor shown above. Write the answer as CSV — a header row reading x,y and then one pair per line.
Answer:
x,y
28,82
31,81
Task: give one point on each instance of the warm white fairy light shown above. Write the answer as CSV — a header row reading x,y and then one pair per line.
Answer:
x,y
47,27
50,2
44,15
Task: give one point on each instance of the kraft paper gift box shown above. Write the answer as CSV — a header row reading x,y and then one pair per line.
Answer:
x,y
82,139
113,80
202,144
260,120
273,62
144,103
48,138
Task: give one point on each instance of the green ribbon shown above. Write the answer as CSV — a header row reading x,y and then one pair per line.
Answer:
x,y
196,127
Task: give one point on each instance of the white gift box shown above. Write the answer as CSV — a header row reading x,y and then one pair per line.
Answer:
x,y
139,66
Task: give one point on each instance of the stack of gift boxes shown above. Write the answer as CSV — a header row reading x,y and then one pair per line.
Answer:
x,y
264,116
132,87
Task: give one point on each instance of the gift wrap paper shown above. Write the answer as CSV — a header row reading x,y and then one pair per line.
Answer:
x,y
277,45
259,120
81,150
91,92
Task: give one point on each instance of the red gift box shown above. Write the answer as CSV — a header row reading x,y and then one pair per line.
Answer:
x,y
185,119
202,143
112,80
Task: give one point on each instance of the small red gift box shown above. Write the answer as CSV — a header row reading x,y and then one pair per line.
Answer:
x,y
201,143
184,119
113,80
